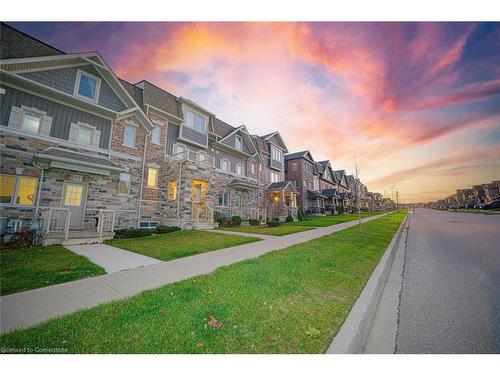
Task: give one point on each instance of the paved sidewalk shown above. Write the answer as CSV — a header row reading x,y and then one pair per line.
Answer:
x,y
28,308
111,258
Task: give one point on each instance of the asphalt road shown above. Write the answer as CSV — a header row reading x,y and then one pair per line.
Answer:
x,y
450,298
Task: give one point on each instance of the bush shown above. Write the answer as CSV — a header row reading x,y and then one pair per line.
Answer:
x,y
273,223
340,209
289,219
25,238
162,229
301,215
254,222
223,222
236,221
133,232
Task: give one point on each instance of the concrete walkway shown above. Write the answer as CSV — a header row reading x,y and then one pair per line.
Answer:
x,y
111,258
28,308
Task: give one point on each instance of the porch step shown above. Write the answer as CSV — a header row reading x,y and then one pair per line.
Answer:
x,y
82,237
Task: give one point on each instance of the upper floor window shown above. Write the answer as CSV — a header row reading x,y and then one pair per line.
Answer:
x,y
276,154
275,177
152,180
18,190
252,168
224,165
129,135
238,169
238,143
156,135
196,121
87,86
308,167
224,199
124,184
294,166
85,135
31,122
315,183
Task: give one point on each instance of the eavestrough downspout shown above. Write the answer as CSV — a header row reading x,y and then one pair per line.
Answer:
x,y
179,192
39,194
142,179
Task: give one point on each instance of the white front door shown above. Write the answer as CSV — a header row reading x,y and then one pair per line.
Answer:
x,y
74,197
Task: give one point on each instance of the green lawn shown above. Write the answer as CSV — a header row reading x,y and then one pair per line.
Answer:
x,y
324,221
287,301
180,244
31,268
280,230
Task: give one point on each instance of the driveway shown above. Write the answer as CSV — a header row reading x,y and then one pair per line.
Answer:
x,y
111,258
450,299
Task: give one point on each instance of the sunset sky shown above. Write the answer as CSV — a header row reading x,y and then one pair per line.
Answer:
x,y
418,104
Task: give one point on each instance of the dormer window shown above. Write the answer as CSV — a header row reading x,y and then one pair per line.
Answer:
x,y
196,121
276,154
238,143
87,86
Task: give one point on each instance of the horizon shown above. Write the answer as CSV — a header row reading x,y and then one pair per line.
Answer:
x,y
417,104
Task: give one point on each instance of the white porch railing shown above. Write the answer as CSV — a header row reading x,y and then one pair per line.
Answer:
x,y
58,221
105,222
195,157
202,213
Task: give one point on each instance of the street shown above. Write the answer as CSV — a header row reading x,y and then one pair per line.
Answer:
x,y
450,298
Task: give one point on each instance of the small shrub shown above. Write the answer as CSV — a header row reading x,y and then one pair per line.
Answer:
x,y
273,223
340,209
162,229
254,222
301,216
223,222
133,232
289,219
25,238
236,221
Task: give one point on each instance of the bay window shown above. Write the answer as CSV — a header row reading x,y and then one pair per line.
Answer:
x,y
195,121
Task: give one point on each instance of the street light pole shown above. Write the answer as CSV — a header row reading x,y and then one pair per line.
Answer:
x,y
397,200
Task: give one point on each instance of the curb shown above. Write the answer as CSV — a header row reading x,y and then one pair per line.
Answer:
x,y
353,334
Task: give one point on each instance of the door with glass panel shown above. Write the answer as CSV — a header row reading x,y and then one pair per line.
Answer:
x,y
74,196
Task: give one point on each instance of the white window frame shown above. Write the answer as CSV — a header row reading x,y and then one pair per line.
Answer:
x,y
77,86
15,191
276,153
129,182
274,176
240,139
225,199
92,128
175,149
37,113
150,224
236,169
295,166
159,135
228,165
252,168
133,126
196,113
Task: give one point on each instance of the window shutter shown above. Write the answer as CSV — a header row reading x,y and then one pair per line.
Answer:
x,y
73,133
45,125
16,116
96,138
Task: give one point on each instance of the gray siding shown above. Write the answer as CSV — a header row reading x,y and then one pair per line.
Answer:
x,y
64,80
276,164
194,136
62,116
230,142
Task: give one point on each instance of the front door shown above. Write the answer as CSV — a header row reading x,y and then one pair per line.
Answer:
x,y
74,196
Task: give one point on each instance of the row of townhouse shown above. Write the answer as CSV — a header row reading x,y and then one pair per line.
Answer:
x,y
84,152
475,197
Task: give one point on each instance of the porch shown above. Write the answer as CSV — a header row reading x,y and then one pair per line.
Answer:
x,y
316,202
281,200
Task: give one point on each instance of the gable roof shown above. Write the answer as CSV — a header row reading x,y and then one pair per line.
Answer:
x,y
159,98
260,143
134,91
276,136
221,128
301,154
16,44
244,132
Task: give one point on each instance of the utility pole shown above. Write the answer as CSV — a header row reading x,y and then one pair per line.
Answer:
x,y
397,200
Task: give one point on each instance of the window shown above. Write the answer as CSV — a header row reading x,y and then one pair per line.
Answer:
x,y
275,177
294,166
296,183
276,154
152,180
19,190
195,121
252,168
224,199
31,122
260,167
315,183
148,224
224,165
124,184
129,135
85,135
87,86
178,150
238,143
199,191
172,190
238,169
73,195
156,135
